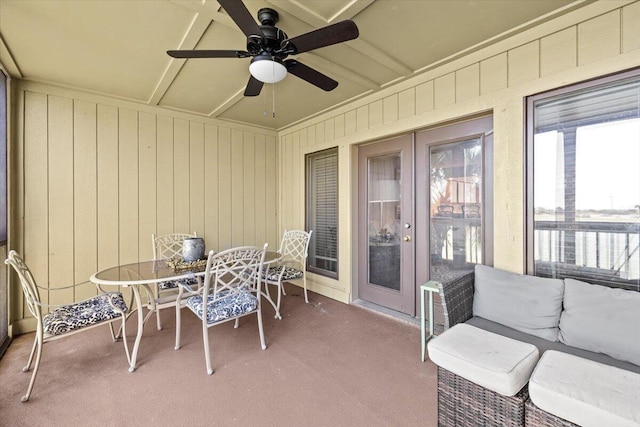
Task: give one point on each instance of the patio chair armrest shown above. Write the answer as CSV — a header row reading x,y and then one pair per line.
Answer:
x,y
456,296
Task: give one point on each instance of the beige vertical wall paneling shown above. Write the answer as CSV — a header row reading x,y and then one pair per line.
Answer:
x,y
108,185
390,108
237,185
99,179
362,118
36,206
631,27
320,137
330,129
558,51
15,190
376,114
196,181
339,129
296,220
272,203
524,63
350,122
260,188
468,82
60,180
444,90
164,177
249,190
128,185
311,135
211,190
424,97
181,177
407,103
224,193
148,205
493,74
599,38
85,215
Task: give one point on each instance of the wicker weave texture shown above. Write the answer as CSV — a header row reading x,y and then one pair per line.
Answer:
x,y
536,417
457,299
462,403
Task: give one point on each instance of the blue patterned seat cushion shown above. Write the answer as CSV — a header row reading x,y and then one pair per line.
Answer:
x,y
289,273
84,313
173,284
228,305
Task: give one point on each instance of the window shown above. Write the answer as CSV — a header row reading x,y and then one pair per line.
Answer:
x,y
322,211
583,182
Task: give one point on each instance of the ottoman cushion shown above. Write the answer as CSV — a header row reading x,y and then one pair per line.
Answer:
x,y
498,363
585,392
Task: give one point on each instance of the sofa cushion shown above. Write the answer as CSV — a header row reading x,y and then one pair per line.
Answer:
x,y
544,345
526,303
489,360
601,319
585,392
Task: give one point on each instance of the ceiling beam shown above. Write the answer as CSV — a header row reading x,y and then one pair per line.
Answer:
x,y
194,33
8,61
304,13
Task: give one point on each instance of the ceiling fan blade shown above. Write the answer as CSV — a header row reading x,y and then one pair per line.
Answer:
x,y
241,16
325,36
254,86
310,75
208,53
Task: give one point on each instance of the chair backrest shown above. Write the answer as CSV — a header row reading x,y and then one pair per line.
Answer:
x,y
234,270
295,245
28,283
169,245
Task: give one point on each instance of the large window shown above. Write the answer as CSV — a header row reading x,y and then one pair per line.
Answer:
x,y
583,182
322,211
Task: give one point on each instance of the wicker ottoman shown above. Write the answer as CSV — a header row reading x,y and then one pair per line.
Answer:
x,y
482,377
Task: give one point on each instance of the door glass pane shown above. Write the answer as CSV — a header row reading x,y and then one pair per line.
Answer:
x,y
455,207
383,197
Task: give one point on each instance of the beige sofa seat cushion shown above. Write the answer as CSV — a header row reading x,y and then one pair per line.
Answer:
x,y
498,363
585,392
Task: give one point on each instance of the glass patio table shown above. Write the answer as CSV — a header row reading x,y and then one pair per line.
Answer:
x,y
146,273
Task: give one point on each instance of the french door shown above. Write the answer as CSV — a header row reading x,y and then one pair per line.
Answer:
x,y
425,210
386,233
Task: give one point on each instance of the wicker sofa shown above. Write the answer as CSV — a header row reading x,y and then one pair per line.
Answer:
x,y
614,346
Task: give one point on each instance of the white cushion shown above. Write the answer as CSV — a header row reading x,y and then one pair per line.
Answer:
x,y
527,304
498,363
585,392
601,319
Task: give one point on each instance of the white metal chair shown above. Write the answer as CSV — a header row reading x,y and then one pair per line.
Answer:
x,y
231,289
166,247
294,250
65,320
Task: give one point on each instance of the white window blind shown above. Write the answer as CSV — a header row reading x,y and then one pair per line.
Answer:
x,y
322,211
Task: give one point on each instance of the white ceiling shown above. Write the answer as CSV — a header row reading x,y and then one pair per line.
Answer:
x,y
118,48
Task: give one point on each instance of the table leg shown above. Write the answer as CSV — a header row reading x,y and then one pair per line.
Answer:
x,y
136,345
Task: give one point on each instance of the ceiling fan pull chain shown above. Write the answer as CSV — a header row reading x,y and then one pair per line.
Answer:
x,y
273,97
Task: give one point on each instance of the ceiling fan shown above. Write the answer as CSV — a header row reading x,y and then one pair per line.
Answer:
x,y
270,46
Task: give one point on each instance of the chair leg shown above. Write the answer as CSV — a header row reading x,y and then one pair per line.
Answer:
x,y
237,323
39,342
280,292
27,367
178,325
205,339
261,330
123,327
304,281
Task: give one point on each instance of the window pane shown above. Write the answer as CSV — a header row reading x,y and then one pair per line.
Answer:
x,y
322,211
586,184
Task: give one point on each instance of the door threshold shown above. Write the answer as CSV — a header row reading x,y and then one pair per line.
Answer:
x,y
387,312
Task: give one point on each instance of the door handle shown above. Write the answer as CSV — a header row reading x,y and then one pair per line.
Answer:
x,y
407,238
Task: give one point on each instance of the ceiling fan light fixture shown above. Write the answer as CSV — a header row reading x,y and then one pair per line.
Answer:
x,y
267,69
